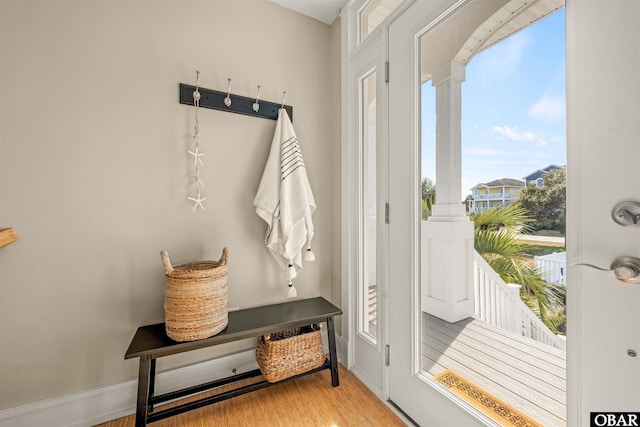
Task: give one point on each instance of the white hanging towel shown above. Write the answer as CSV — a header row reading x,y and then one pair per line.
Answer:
x,y
285,201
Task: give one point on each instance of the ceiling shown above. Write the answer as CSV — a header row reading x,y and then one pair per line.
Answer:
x,y
513,17
323,10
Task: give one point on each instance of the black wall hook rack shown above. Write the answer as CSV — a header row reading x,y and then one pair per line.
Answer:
x,y
239,104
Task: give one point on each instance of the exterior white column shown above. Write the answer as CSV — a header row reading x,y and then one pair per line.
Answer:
x,y
447,237
447,80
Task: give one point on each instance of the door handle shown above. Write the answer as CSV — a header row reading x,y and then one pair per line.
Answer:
x,y
625,268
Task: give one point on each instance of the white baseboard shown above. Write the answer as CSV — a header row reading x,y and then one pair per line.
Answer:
x,y
368,382
95,406
103,404
342,349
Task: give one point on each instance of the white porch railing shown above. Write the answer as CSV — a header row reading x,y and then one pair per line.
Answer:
x,y
499,304
494,196
553,267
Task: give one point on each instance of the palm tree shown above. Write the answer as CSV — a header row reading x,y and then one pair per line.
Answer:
x,y
428,197
496,240
427,204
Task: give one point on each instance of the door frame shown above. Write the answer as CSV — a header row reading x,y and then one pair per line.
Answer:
x,y
352,50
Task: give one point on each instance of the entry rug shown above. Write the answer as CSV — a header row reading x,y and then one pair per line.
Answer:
x,y
487,403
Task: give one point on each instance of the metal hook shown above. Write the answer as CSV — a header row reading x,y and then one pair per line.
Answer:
x,y
256,106
227,100
196,94
284,97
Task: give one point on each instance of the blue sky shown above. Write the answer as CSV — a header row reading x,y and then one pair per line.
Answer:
x,y
513,107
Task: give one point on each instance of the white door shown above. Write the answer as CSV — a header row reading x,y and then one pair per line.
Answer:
x,y
367,172
603,348
423,400
603,366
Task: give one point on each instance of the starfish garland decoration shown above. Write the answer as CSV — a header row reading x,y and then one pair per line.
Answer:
x,y
196,153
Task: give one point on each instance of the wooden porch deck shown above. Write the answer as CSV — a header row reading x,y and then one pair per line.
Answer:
x,y
528,375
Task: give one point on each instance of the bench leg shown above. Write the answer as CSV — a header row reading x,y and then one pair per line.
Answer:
x,y
144,383
152,385
333,356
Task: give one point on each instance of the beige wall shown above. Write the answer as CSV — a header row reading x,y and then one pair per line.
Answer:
x,y
93,172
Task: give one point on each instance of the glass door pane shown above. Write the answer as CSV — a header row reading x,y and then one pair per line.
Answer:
x,y
374,13
438,282
368,290
492,329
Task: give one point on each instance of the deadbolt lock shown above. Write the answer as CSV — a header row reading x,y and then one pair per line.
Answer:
x,y
627,214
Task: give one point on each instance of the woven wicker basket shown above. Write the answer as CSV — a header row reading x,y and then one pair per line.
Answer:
x,y
288,353
195,298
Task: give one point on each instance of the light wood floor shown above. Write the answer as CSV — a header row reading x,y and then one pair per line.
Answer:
x,y
307,401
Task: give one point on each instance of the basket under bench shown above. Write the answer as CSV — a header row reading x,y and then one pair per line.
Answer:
x,y
151,342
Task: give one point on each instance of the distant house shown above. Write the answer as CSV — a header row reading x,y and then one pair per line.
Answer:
x,y
537,177
501,192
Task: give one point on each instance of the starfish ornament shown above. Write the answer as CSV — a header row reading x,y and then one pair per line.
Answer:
x,y
198,180
196,138
198,201
196,156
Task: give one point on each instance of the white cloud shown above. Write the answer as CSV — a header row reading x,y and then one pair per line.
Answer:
x,y
513,133
549,108
503,57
